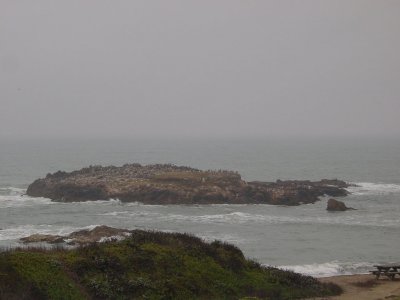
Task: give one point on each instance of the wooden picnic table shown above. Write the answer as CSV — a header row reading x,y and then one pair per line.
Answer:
x,y
387,270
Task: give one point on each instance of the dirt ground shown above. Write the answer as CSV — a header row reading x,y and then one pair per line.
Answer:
x,y
365,287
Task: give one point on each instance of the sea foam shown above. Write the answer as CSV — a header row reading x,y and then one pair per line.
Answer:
x,y
332,268
237,217
370,188
15,197
14,233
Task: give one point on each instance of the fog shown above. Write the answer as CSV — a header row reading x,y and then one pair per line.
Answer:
x,y
228,68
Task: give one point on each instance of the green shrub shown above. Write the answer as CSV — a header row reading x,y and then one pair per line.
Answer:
x,y
149,265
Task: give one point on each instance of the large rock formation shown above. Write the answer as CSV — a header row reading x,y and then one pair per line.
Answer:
x,y
170,184
335,205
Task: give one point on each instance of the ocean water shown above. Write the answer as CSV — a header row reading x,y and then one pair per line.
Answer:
x,y
306,238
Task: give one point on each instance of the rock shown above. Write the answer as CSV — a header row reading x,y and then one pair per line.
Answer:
x,y
97,234
81,237
335,205
170,184
40,238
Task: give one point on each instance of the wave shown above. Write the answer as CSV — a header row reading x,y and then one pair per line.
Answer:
x,y
233,217
130,214
10,190
15,233
248,218
370,188
216,218
331,268
15,197
110,202
18,232
212,236
240,218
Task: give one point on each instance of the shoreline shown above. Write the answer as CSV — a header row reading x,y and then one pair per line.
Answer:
x,y
363,286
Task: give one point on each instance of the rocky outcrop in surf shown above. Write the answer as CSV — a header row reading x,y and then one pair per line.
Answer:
x,y
335,205
170,184
85,236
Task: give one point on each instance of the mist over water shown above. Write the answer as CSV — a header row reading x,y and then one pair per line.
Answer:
x,y
305,238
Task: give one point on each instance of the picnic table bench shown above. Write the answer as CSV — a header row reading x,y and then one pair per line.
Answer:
x,y
387,270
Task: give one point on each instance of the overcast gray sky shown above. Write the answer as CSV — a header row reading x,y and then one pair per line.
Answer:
x,y
199,68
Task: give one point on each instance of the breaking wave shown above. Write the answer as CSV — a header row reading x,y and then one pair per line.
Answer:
x,y
18,232
249,218
369,188
15,197
109,202
330,268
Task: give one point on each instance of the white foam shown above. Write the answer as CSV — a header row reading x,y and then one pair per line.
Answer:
x,y
218,218
16,197
369,188
328,219
110,202
15,233
115,213
237,217
130,214
7,201
18,232
330,268
112,238
212,236
89,227
10,190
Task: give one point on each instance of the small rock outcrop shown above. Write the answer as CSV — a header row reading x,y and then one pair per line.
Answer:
x,y
335,205
170,184
42,238
81,237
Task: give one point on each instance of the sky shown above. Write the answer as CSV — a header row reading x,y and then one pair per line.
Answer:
x,y
220,68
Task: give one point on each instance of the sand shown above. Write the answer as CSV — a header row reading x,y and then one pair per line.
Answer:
x,y
365,287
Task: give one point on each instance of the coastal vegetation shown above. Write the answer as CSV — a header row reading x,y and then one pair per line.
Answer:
x,y
149,265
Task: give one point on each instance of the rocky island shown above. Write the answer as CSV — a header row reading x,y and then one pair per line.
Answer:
x,y
170,184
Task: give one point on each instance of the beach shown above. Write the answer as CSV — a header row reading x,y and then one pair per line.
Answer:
x,y
364,287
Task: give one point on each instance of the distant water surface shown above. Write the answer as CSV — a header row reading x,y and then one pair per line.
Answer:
x,y
306,238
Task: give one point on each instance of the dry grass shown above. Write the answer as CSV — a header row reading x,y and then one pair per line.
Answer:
x,y
366,283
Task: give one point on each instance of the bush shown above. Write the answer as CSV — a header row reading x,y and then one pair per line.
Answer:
x,y
149,264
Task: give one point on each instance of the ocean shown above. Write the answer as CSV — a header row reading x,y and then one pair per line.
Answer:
x,y
305,238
